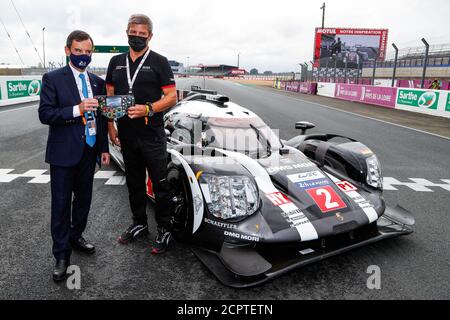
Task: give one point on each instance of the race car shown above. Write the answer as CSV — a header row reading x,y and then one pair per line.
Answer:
x,y
253,206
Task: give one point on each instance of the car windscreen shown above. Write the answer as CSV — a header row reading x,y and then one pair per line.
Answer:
x,y
246,135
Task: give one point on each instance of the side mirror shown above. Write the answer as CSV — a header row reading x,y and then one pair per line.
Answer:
x,y
303,125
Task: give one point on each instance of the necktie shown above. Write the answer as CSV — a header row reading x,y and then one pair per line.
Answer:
x,y
90,140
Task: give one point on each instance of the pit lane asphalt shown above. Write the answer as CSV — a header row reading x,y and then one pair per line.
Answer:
x,y
412,267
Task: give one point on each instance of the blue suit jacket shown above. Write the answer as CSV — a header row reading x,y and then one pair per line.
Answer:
x,y
66,137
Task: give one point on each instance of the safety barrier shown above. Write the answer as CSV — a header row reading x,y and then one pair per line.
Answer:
x,y
296,86
432,102
19,89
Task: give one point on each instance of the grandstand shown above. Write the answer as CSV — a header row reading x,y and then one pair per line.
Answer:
x,y
219,70
410,64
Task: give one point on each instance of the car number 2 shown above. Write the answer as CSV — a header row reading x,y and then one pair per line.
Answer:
x,y
326,199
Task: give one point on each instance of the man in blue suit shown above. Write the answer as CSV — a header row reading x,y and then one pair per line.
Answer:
x,y
77,139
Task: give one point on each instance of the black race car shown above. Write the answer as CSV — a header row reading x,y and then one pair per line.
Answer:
x,y
254,207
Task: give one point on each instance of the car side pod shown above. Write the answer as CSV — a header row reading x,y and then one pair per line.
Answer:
x,y
245,266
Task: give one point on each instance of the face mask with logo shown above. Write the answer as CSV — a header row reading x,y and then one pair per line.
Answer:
x,y
81,61
137,43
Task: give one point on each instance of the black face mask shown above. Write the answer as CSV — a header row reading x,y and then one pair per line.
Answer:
x,y
137,43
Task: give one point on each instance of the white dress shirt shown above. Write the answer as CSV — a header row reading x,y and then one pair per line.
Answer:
x,y
76,74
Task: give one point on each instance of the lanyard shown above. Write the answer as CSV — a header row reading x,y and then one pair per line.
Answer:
x,y
89,88
131,81
90,115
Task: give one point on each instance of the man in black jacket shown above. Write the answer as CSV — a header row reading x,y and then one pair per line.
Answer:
x,y
146,75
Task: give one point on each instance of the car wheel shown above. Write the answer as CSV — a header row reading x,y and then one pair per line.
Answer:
x,y
182,211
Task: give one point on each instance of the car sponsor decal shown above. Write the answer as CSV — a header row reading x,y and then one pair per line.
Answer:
x,y
290,167
306,176
305,229
220,224
278,199
326,199
346,186
297,219
313,184
351,192
241,236
318,187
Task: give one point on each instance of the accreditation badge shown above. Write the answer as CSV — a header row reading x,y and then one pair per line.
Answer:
x,y
92,129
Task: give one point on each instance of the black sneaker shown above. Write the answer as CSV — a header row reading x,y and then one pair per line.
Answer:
x,y
133,232
162,241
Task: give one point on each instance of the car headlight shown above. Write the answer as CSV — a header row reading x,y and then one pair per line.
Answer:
x,y
374,175
230,197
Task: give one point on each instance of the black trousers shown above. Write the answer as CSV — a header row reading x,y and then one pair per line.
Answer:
x,y
140,155
70,214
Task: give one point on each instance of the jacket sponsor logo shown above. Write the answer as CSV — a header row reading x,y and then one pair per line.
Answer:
x,y
241,236
278,199
220,224
306,176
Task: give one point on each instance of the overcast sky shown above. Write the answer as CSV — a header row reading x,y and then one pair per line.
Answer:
x,y
270,35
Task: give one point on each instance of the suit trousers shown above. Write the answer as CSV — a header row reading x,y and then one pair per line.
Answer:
x,y
71,189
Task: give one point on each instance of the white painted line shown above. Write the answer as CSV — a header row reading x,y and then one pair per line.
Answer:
x,y
104,174
359,115
38,177
6,177
44,179
33,173
116,181
390,184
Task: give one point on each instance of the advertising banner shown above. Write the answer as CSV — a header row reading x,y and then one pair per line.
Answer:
x,y
432,102
353,45
380,96
308,88
447,105
326,89
292,86
23,88
19,89
418,98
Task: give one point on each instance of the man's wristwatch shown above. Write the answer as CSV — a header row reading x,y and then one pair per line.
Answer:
x,y
150,111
